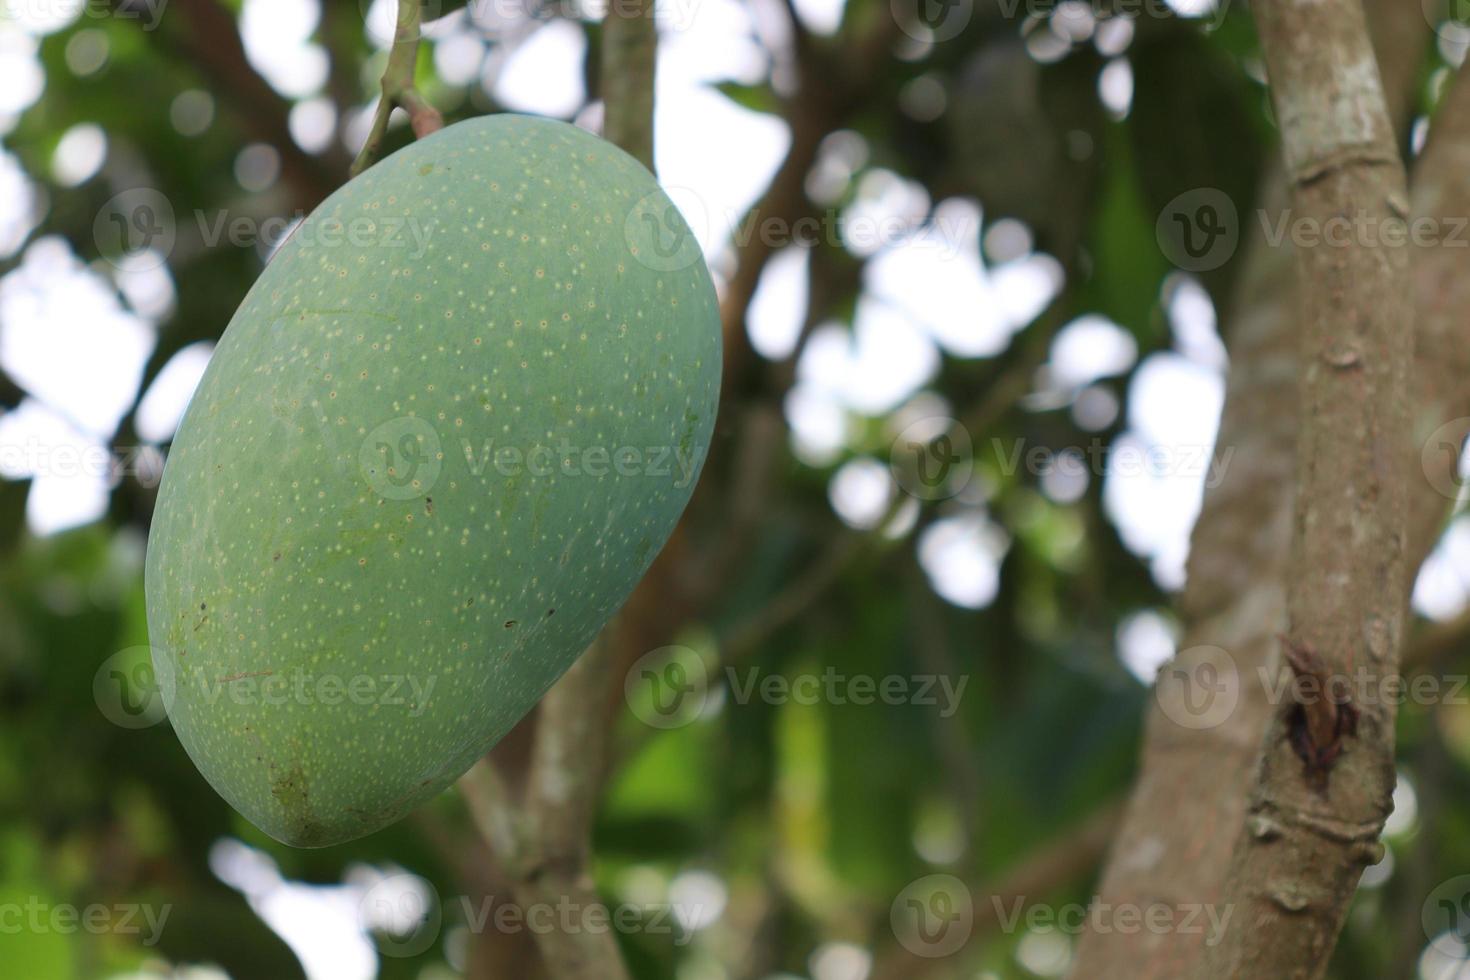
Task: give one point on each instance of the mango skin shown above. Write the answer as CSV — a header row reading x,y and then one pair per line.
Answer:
x,y
353,589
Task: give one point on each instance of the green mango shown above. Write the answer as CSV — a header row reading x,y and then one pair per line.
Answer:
x,y
444,436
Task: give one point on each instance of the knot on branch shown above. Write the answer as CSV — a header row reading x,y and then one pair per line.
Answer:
x,y
1322,715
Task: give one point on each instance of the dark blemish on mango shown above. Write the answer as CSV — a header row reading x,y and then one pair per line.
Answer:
x,y
240,677
510,624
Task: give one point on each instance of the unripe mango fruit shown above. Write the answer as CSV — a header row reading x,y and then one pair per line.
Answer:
x,y
443,437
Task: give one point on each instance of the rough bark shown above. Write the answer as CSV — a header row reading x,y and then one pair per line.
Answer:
x,y
1325,780
630,36
542,838
1188,802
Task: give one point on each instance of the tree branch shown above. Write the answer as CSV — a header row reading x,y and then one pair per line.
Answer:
x,y
543,841
399,90
1189,798
1326,777
629,46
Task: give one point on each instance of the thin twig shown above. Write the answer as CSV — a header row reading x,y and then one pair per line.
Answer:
x,y
399,90
542,839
